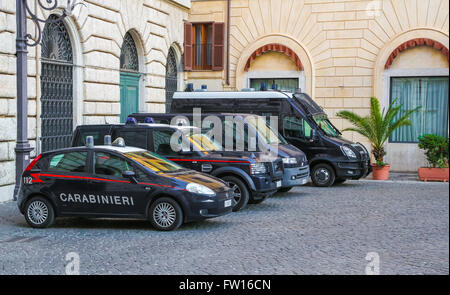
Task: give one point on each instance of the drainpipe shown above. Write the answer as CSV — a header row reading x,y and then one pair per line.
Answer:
x,y
228,42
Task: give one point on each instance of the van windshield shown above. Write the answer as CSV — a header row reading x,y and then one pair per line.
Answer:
x,y
326,126
153,161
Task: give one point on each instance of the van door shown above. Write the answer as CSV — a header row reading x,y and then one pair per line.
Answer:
x,y
298,132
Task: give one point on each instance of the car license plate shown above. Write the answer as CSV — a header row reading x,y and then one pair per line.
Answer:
x,y
279,183
227,203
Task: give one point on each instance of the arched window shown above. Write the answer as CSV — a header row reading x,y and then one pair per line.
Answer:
x,y
129,78
56,87
171,78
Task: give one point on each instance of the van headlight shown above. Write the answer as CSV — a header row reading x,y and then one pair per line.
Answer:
x,y
289,160
197,188
348,152
258,168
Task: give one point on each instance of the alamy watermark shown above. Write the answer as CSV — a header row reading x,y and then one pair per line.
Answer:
x,y
373,8
373,265
73,263
249,133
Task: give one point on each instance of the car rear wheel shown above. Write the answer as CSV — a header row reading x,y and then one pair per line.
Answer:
x,y
165,214
239,190
39,213
323,175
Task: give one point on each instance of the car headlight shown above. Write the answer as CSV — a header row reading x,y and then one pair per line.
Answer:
x,y
348,152
289,160
258,168
199,189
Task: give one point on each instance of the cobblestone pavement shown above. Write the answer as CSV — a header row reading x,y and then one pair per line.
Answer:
x,y
306,231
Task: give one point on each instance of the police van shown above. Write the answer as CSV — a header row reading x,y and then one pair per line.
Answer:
x,y
304,124
114,180
295,163
252,176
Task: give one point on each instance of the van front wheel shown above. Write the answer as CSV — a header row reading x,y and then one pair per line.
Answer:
x,y
323,175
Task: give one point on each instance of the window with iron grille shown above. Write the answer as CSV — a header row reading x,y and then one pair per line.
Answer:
x,y
56,87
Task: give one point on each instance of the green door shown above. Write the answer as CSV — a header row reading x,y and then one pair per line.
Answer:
x,y
129,94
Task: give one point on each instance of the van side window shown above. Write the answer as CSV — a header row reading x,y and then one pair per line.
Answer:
x,y
161,143
136,138
68,162
296,127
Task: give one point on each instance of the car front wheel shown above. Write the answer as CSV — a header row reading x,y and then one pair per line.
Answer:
x,y
323,175
39,212
165,214
239,190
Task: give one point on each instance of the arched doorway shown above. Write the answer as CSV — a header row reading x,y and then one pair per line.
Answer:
x,y
129,78
171,78
56,87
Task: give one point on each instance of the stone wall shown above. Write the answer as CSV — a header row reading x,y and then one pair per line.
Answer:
x,y
96,33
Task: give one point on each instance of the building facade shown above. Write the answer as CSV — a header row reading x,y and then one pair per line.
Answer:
x,y
114,57
106,60
339,52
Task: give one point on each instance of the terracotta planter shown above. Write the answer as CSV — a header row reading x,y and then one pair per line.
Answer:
x,y
433,174
380,172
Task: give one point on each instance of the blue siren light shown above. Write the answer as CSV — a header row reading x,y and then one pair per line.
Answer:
x,y
149,120
131,121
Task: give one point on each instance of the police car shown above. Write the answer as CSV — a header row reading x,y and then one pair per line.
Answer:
x,y
114,180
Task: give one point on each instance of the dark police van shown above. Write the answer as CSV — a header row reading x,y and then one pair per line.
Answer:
x,y
251,176
304,124
295,164
118,181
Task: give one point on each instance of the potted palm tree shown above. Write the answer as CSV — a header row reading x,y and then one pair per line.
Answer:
x,y
436,152
377,127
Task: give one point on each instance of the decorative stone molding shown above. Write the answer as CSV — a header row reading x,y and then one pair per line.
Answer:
x,y
413,43
274,47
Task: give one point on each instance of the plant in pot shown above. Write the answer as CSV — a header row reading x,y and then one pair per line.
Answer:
x,y
436,152
377,127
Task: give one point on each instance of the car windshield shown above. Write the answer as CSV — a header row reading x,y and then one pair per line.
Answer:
x,y
326,126
153,161
265,131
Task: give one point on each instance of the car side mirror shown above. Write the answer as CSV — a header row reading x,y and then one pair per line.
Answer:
x,y
129,174
314,136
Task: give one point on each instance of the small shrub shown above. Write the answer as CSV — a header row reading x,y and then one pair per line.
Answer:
x,y
436,149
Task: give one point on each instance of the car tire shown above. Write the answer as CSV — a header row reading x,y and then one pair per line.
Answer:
x,y
165,214
39,212
285,189
323,175
340,180
238,187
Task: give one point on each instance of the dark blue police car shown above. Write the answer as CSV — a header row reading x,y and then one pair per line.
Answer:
x,y
118,181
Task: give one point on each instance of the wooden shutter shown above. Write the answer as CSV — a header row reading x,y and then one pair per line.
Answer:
x,y
218,46
188,53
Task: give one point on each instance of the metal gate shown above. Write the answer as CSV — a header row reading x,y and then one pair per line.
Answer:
x,y
171,78
56,87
